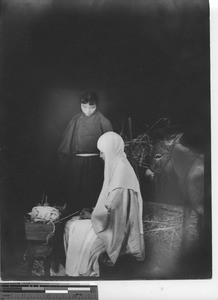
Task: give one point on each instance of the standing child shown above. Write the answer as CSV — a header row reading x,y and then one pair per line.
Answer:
x,y
78,153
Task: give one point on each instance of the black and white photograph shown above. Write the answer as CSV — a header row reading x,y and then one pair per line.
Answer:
x,y
105,140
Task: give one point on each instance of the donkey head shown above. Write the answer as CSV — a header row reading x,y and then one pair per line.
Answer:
x,y
161,157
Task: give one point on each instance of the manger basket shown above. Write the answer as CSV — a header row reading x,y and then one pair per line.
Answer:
x,y
37,231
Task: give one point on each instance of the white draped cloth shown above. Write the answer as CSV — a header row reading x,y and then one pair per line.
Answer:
x,y
116,223
82,247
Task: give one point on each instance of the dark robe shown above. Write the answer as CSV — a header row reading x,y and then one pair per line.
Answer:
x,y
83,175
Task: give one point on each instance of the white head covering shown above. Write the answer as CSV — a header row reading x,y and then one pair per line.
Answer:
x,y
118,173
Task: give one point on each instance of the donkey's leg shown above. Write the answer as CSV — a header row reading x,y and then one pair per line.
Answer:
x,y
185,225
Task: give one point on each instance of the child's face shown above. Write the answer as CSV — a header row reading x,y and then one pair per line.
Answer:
x,y
88,109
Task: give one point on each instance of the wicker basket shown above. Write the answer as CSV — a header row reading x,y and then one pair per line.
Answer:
x,y
37,231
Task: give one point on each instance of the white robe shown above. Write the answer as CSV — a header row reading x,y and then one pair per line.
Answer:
x,y
121,236
82,248
116,223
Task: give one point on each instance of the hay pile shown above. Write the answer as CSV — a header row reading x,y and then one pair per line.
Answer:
x,y
163,229
139,150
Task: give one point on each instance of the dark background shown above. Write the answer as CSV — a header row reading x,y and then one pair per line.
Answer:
x,y
146,59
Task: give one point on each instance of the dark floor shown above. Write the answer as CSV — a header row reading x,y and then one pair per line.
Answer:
x,y
164,258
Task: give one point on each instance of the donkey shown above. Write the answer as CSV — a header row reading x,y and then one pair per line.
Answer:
x,y
170,154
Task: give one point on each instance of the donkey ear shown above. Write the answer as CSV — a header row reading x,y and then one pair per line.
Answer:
x,y
177,137
173,140
169,142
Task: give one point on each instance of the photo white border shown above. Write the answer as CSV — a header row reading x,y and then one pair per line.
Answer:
x,y
178,289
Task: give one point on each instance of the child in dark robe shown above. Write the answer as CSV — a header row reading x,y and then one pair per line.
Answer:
x,y
79,155
81,165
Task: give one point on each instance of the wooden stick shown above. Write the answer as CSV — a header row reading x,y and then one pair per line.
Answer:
x,y
67,217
